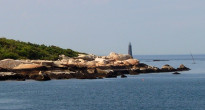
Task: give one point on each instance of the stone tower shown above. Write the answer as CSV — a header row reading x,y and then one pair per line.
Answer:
x,y
130,49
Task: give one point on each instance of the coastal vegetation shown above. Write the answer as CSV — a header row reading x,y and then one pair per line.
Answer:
x,y
15,49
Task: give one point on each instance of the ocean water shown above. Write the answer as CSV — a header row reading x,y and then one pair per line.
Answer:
x,y
154,91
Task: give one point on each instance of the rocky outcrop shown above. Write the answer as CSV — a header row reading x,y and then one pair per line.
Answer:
x,y
28,66
132,61
4,70
9,63
120,57
182,68
40,76
123,76
101,61
82,67
89,57
167,68
43,63
63,57
134,71
91,64
11,76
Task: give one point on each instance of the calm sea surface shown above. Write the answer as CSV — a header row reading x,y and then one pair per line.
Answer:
x,y
155,91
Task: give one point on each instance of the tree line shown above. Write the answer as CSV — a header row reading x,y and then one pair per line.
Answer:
x,y
15,49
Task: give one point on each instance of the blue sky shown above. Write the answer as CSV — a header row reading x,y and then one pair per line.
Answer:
x,y
102,26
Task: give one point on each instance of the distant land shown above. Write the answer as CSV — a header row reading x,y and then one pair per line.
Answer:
x,y
14,49
47,62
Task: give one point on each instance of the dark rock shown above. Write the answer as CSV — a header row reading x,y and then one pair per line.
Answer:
x,y
86,76
60,76
159,60
11,76
167,68
99,77
107,73
145,70
3,70
111,76
40,77
143,65
121,71
182,68
176,73
123,76
134,72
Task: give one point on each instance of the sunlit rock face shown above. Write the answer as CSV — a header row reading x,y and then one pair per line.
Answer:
x,y
120,57
89,57
28,66
9,63
133,61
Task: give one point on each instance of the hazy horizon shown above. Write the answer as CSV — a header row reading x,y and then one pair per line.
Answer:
x,y
103,26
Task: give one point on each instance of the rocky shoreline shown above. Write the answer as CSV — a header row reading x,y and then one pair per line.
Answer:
x,y
81,67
